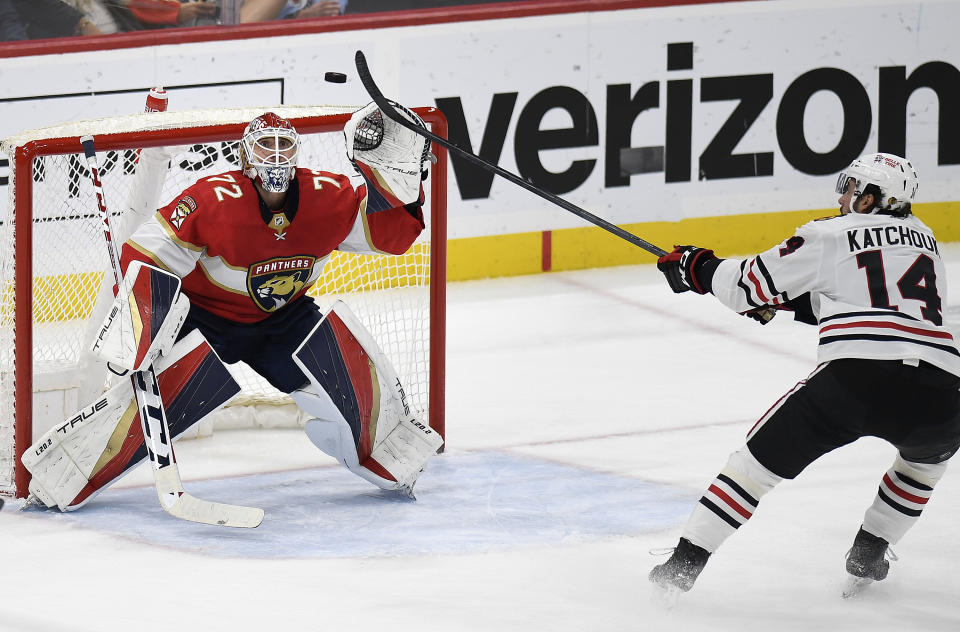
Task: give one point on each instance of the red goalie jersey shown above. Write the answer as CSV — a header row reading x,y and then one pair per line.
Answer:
x,y
241,261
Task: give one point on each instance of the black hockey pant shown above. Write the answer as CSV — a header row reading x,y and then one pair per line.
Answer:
x,y
265,346
915,408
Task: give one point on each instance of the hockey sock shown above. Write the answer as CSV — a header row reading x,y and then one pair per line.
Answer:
x,y
901,497
729,501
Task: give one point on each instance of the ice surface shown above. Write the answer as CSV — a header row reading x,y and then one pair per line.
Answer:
x,y
585,412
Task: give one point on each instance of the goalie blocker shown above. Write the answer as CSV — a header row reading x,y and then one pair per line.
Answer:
x,y
360,413
77,459
144,320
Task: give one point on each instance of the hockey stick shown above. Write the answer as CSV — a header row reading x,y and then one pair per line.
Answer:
x,y
763,316
363,71
153,418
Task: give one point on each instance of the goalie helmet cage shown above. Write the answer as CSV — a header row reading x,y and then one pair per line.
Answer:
x,y
52,263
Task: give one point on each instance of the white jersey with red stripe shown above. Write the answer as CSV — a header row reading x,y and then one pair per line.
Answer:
x,y
877,287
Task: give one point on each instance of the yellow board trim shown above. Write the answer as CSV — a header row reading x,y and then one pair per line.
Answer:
x,y
592,247
72,296
496,256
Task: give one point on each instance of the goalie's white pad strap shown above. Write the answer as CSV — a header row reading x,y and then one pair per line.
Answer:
x,y
391,167
406,449
144,320
368,426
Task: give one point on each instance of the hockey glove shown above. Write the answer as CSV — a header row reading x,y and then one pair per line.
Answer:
x,y
762,315
391,158
688,268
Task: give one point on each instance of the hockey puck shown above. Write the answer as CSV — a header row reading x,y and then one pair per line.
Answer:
x,y
335,77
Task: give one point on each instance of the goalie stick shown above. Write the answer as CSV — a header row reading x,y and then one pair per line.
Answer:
x,y
153,420
386,106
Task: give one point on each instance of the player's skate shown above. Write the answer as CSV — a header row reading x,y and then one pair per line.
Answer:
x,y
678,573
866,562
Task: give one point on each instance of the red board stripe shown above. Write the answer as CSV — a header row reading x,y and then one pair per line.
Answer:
x,y
546,251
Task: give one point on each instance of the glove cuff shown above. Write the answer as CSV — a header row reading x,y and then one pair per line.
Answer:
x,y
701,270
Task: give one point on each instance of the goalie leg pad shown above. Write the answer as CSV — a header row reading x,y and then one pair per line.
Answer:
x,y
98,445
361,417
63,460
405,449
144,320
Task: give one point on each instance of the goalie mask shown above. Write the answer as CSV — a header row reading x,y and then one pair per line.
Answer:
x,y
892,181
269,151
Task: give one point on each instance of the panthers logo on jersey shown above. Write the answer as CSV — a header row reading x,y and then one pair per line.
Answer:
x,y
273,283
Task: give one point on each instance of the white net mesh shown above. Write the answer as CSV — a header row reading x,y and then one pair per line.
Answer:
x,y
390,294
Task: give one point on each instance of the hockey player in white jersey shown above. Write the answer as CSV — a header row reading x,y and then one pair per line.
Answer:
x,y
873,281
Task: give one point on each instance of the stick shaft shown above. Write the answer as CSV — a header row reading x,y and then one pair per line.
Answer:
x,y
153,417
152,414
363,71
92,164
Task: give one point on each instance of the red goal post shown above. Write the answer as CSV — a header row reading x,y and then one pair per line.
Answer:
x,y
52,266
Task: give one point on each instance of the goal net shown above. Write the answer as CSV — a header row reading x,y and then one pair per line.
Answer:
x,y
54,290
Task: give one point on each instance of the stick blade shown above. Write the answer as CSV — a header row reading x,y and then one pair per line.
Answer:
x,y
180,504
193,509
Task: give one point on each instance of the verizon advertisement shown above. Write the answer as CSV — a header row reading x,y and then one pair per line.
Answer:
x,y
654,114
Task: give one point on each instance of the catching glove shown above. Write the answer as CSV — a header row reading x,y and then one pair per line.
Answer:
x,y
392,159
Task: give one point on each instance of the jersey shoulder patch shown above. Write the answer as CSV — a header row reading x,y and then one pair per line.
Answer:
x,y
207,193
182,209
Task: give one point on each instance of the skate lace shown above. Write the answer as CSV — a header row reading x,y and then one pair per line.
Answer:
x,y
889,554
667,550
